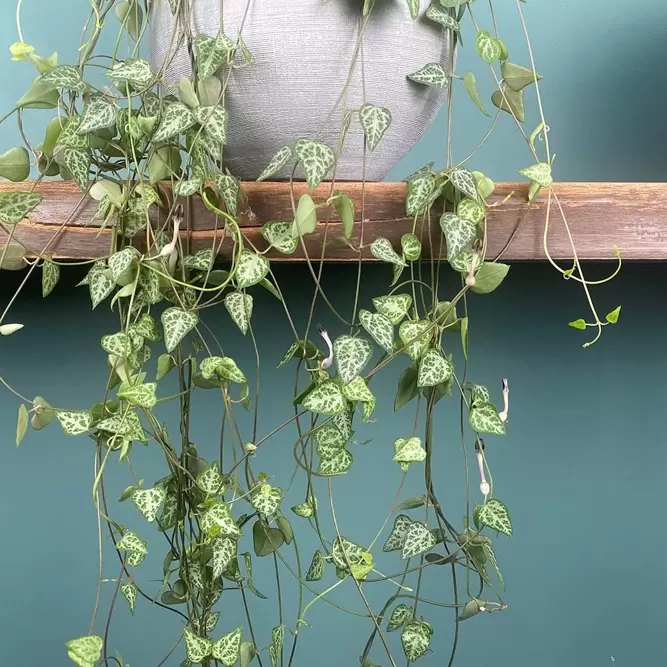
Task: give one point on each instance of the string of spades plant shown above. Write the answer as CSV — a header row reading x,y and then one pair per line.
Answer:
x,y
142,151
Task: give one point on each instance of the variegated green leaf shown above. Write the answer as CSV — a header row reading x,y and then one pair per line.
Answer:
x,y
187,188
394,307
327,399
412,247
484,419
400,615
278,638
278,233
491,560
14,206
135,559
479,394
146,326
316,569
149,501
413,6
418,540
142,395
278,161
344,551
212,621
70,137
415,335
379,327
85,651
441,16
130,593
399,530
408,450
469,209
251,269
229,188
98,115
338,464
64,77
464,181
307,509
351,355
266,499
432,74
202,260
316,160
420,192
329,440
214,122
415,639
459,233
495,515
224,551
434,368
121,263
136,72
176,119
77,161
540,173
382,249
50,277
196,648
132,543
126,424
226,649
228,370
488,47
357,390
210,480
375,121
239,307
219,516
208,55
177,323
100,283
74,422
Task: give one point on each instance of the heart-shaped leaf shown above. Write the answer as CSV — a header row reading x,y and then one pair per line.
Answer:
x,y
375,121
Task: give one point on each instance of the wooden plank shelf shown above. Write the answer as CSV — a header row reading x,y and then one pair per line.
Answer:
x,y
632,216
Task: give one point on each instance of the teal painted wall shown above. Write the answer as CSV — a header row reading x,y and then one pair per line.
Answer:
x,y
582,466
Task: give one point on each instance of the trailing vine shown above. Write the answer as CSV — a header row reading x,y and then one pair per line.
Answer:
x,y
144,152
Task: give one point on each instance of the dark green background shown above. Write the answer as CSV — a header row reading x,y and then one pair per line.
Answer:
x,y
582,467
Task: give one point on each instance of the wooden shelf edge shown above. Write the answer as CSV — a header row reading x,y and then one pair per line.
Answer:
x,y
630,216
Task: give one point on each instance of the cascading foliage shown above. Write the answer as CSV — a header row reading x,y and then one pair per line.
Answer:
x,y
140,153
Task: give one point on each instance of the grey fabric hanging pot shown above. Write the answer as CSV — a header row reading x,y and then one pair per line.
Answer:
x,y
303,50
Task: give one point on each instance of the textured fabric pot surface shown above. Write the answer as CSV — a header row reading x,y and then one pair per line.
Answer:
x,y
304,51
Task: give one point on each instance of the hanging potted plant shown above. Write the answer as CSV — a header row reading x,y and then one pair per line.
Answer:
x,y
298,90
307,69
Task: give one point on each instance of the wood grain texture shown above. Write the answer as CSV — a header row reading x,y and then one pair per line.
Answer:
x,y
632,216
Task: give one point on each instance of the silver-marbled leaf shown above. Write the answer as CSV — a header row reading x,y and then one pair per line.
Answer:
x,y
177,323
277,162
375,121
15,206
379,327
352,354
382,249
393,306
432,74
434,368
315,158
251,269
239,307
459,233
279,234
